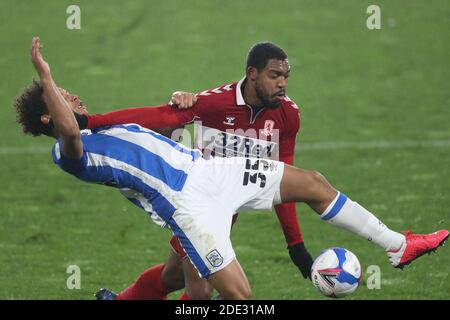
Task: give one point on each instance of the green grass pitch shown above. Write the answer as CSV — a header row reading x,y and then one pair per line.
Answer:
x,y
375,109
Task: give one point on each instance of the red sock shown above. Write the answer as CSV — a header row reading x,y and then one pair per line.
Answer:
x,y
184,296
148,286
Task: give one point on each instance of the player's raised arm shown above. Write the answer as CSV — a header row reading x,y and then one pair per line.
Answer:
x,y
65,126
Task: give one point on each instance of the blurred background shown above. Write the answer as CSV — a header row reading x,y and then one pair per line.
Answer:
x,y
374,120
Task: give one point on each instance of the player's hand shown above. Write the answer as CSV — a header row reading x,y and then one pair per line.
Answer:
x,y
41,66
302,259
183,100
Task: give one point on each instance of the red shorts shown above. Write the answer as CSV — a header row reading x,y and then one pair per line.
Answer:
x,y
176,244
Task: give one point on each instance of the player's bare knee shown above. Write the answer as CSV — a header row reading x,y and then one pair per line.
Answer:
x,y
314,180
317,177
319,191
316,186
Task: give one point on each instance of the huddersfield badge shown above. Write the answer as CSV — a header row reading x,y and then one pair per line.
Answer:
x,y
214,258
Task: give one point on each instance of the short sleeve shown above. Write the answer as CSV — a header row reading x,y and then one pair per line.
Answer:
x,y
72,166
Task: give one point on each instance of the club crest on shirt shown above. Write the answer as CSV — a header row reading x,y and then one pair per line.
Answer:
x,y
214,258
229,121
268,128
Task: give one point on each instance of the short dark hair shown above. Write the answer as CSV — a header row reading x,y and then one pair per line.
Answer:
x,y
262,52
30,106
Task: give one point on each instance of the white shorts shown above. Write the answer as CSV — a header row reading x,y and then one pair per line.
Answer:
x,y
214,190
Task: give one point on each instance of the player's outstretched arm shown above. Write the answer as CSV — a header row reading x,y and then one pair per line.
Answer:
x,y
164,116
66,127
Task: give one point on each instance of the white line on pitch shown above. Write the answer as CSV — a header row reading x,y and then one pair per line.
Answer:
x,y
24,150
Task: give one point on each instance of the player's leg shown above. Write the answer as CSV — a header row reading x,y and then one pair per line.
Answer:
x,y
311,187
156,282
205,237
231,282
148,286
298,185
213,256
172,275
202,223
196,287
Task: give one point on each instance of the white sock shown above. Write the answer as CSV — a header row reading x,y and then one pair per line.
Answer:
x,y
347,214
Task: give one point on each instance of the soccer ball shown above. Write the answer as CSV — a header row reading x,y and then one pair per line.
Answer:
x,y
336,272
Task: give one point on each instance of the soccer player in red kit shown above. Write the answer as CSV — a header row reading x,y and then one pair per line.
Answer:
x,y
252,117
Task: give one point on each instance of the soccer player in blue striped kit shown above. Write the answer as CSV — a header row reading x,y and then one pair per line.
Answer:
x,y
193,196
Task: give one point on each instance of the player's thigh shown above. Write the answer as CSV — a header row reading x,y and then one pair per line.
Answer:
x,y
231,282
205,237
196,287
299,185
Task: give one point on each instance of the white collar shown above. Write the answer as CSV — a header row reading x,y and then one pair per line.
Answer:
x,y
239,98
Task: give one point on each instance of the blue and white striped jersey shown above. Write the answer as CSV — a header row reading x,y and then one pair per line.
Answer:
x,y
148,168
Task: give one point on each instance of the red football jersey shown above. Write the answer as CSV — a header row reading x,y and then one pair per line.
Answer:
x,y
229,127
226,119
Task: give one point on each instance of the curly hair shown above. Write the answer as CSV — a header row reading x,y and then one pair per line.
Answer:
x,y
262,52
30,106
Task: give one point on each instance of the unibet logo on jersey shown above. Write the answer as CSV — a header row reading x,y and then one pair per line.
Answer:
x,y
238,142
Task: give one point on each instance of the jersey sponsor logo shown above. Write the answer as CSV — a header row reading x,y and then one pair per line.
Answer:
x,y
215,258
237,143
229,121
